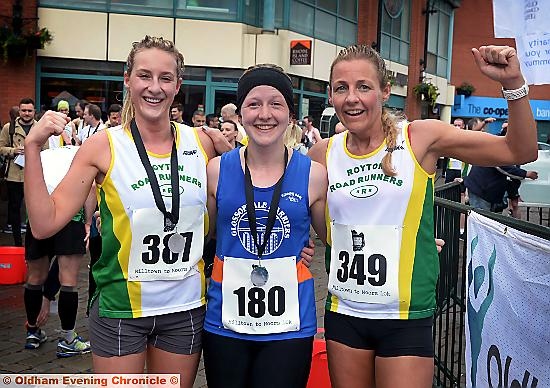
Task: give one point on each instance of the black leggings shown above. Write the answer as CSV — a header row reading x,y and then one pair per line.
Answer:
x,y
236,363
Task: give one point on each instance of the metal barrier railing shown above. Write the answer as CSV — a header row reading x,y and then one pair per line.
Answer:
x,y
449,320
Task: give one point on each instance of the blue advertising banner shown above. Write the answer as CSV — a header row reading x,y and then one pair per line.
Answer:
x,y
495,107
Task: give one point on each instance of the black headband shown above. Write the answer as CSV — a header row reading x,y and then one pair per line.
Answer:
x,y
265,76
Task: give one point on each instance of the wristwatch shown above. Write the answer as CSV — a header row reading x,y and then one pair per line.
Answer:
x,y
515,94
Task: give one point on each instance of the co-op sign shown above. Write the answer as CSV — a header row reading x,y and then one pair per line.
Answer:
x,y
495,107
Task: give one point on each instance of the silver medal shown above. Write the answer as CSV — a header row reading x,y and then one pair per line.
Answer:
x,y
259,276
176,243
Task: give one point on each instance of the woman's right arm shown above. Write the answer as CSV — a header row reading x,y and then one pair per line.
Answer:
x,y
50,213
212,174
318,152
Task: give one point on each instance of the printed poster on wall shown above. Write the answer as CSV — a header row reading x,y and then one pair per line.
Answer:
x,y
508,306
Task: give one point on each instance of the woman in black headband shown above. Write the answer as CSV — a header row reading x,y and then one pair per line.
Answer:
x,y
261,319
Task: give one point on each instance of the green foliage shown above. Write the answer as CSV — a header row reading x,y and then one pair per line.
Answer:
x,y
465,89
14,46
428,91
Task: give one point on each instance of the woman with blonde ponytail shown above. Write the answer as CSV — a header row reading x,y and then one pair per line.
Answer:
x,y
150,174
383,263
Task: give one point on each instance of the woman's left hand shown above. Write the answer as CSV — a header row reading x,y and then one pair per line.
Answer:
x,y
221,144
501,64
307,253
439,242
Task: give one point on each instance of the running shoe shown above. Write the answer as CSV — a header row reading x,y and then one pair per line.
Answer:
x,y
34,340
74,348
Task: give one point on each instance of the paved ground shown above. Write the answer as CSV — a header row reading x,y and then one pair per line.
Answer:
x,y
14,358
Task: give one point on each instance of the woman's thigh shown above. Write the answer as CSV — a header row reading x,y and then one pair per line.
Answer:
x,y
282,363
227,361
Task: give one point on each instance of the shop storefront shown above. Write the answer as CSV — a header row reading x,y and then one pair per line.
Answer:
x,y
101,83
483,107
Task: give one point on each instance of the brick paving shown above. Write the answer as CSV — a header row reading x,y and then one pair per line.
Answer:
x,y
15,359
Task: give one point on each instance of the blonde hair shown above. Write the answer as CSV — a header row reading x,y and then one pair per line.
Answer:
x,y
292,136
389,120
148,42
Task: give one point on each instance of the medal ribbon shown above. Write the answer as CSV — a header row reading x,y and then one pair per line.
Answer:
x,y
273,206
170,218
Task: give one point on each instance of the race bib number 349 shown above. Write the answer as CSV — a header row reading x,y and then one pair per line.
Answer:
x,y
150,256
364,263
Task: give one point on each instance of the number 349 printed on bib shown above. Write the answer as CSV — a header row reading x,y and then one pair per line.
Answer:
x,y
364,265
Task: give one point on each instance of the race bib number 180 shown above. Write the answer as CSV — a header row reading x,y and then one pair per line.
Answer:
x,y
364,264
268,309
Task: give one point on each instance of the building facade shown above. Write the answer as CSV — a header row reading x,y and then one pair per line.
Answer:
x,y
221,38
473,28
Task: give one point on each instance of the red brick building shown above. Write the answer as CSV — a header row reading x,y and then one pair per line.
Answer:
x,y
422,41
473,27
17,77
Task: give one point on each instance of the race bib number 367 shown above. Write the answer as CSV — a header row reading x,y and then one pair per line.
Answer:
x,y
150,256
364,263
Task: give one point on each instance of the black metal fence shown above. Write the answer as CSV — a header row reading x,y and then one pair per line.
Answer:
x,y
449,320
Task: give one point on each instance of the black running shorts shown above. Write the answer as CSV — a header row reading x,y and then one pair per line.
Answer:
x,y
387,337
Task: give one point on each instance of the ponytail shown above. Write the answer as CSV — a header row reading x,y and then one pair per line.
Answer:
x,y
390,132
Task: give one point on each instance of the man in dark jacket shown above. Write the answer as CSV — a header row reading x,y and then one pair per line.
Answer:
x,y
487,185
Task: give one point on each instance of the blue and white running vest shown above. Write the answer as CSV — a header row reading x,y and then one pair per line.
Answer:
x,y
284,307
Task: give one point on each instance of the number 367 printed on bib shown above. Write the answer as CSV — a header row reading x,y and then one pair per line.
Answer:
x,y
150,256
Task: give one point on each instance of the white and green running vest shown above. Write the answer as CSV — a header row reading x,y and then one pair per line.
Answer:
x,y
137,275
381,253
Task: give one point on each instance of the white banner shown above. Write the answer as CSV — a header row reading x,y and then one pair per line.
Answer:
x,y
508,307
55,164
534,57
513,18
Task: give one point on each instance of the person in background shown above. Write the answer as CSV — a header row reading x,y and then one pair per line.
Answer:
x,y
114,115
311,132
176,113
230,131
293,138
199,119
78,122
56,141
487,185
455,166
212,120
12,147
478,124
68,245
513,182
229,112
92,118
305,139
